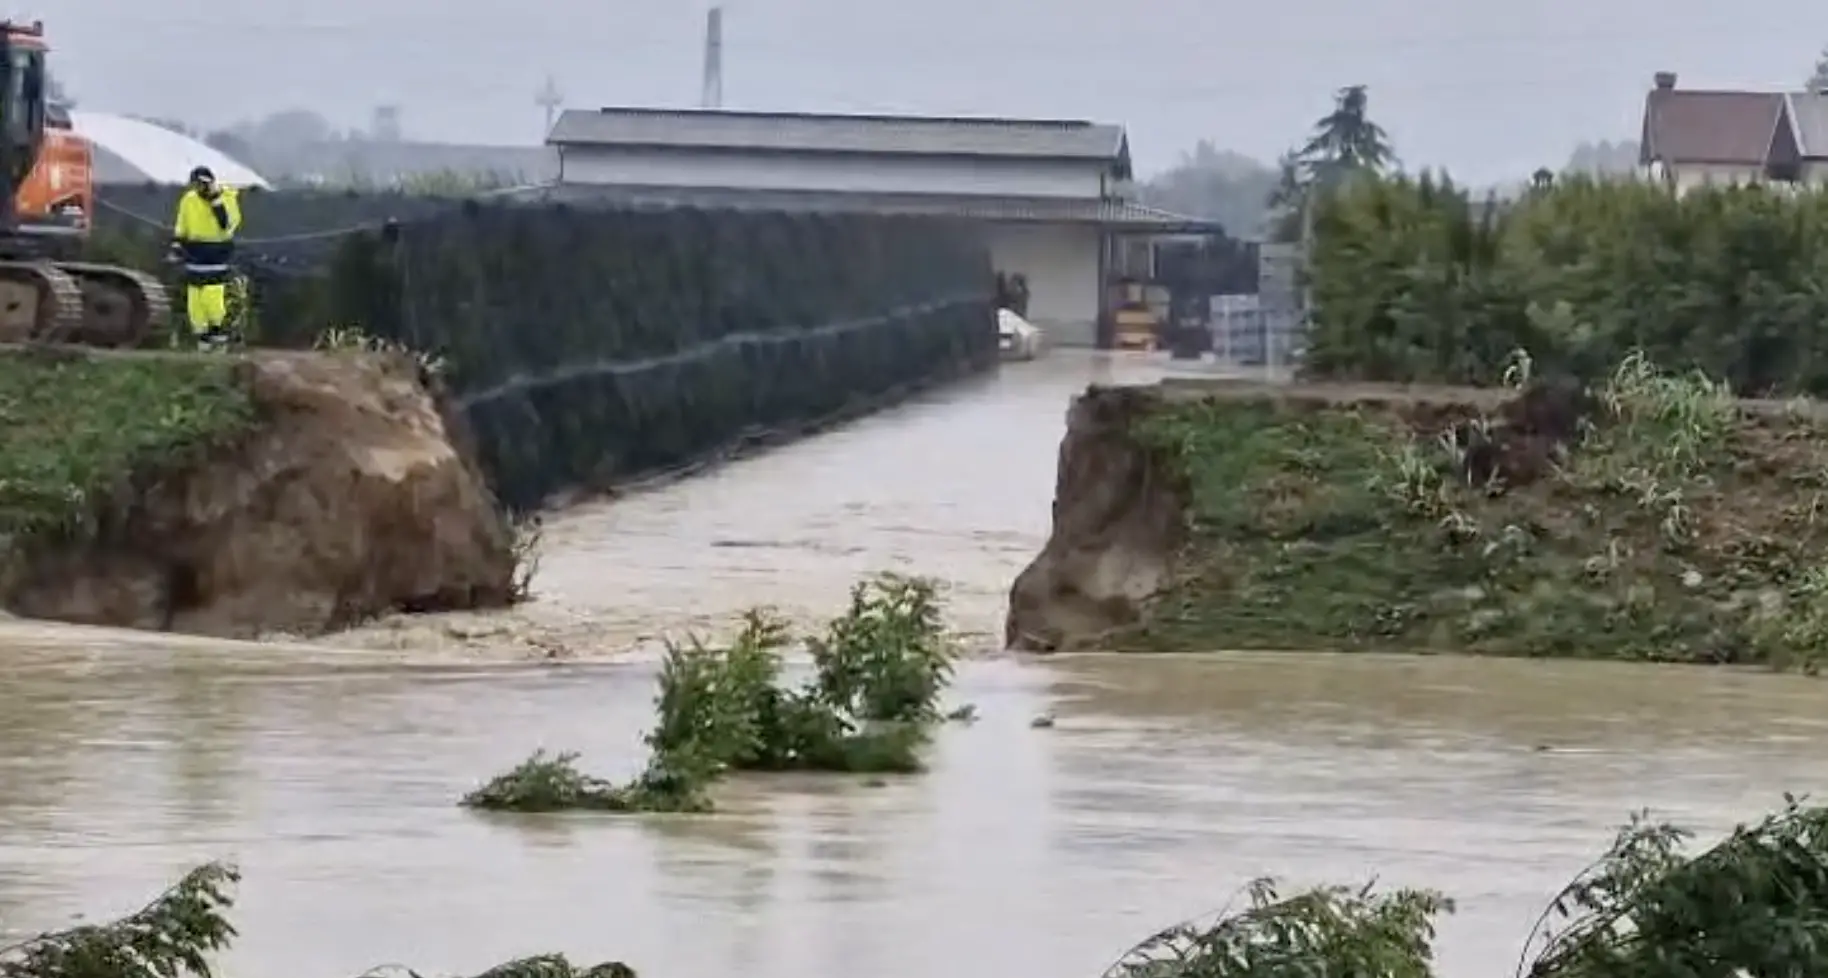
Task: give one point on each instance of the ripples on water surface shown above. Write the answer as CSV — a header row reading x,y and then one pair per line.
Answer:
x,y
1025,853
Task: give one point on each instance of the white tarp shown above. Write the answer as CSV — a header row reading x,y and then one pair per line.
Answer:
x,y
161,155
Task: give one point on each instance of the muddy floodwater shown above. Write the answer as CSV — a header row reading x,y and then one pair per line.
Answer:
x,y
329,771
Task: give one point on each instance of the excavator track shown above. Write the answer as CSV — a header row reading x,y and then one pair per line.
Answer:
x,y
38,301
79,303
120,307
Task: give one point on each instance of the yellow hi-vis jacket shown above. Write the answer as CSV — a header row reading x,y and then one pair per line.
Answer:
x,y
205,233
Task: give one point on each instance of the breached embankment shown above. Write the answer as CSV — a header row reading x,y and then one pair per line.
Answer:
x,y
233,496
1651,517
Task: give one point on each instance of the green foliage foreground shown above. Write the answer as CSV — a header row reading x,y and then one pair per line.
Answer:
x,y
1651,518
878,672
1415,280
177,933
1755,904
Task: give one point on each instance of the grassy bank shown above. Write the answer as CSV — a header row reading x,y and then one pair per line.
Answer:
x,y
1651,517
74,428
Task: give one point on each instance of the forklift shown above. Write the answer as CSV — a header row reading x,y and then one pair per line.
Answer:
x,y
1136,325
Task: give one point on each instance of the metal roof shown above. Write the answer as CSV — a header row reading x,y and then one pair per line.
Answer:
x,y
1108,214
804,132
1695,126
1809,122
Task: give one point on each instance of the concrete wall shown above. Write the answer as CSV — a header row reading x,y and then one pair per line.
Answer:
x,y
1061,263
865,174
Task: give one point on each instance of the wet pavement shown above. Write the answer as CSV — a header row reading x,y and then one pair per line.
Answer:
x,y
331,773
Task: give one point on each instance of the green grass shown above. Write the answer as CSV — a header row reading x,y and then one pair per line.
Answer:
x,y
74,428
1678,527
1295,547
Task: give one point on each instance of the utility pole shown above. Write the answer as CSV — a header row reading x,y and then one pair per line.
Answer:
x,y
713,96
549,98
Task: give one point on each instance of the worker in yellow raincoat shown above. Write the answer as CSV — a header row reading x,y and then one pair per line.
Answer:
x,y
203,238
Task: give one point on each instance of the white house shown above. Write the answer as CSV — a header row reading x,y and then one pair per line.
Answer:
x,y
1054,196
1806,115
1696,137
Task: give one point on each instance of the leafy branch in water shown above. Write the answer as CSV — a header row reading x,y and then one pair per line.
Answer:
x,y
552,783
556,966
1325,932
878,673
173,935
1754,904
176,934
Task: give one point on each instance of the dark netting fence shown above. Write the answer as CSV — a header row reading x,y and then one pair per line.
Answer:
x,y
586,344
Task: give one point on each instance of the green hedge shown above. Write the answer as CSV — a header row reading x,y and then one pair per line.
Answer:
x,y
587,344
1414,280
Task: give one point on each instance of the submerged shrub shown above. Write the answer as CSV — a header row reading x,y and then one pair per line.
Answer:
x,y
878,673
887,659
717,707
553,783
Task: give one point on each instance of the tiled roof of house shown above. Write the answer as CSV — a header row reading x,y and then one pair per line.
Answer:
x,y
1809,119
1108,214
821,133
1696,126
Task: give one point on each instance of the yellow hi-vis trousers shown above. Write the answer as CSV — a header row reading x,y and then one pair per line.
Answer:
x,y
207,306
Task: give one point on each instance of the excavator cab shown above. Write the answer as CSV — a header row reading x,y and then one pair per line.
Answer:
x,y
45,293
23,86
46,166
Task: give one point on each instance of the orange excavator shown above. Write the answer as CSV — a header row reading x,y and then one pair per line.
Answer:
x,y
47,206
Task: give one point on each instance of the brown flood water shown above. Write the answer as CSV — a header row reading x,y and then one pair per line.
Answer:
x,y
330,773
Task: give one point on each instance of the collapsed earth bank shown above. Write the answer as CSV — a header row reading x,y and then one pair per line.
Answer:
x,y
281,491
1650,517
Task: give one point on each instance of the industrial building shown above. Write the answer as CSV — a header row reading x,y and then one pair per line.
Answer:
x,y
1054,197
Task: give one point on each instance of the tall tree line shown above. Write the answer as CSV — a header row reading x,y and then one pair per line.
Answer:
x,y
1253,200
1343,144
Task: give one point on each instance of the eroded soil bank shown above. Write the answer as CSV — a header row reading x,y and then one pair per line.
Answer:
x,y
281,491
1651,517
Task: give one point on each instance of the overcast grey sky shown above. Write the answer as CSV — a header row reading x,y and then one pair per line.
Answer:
x,y
1489,90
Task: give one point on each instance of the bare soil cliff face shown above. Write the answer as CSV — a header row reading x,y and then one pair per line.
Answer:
x,y
346,499
1119,520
